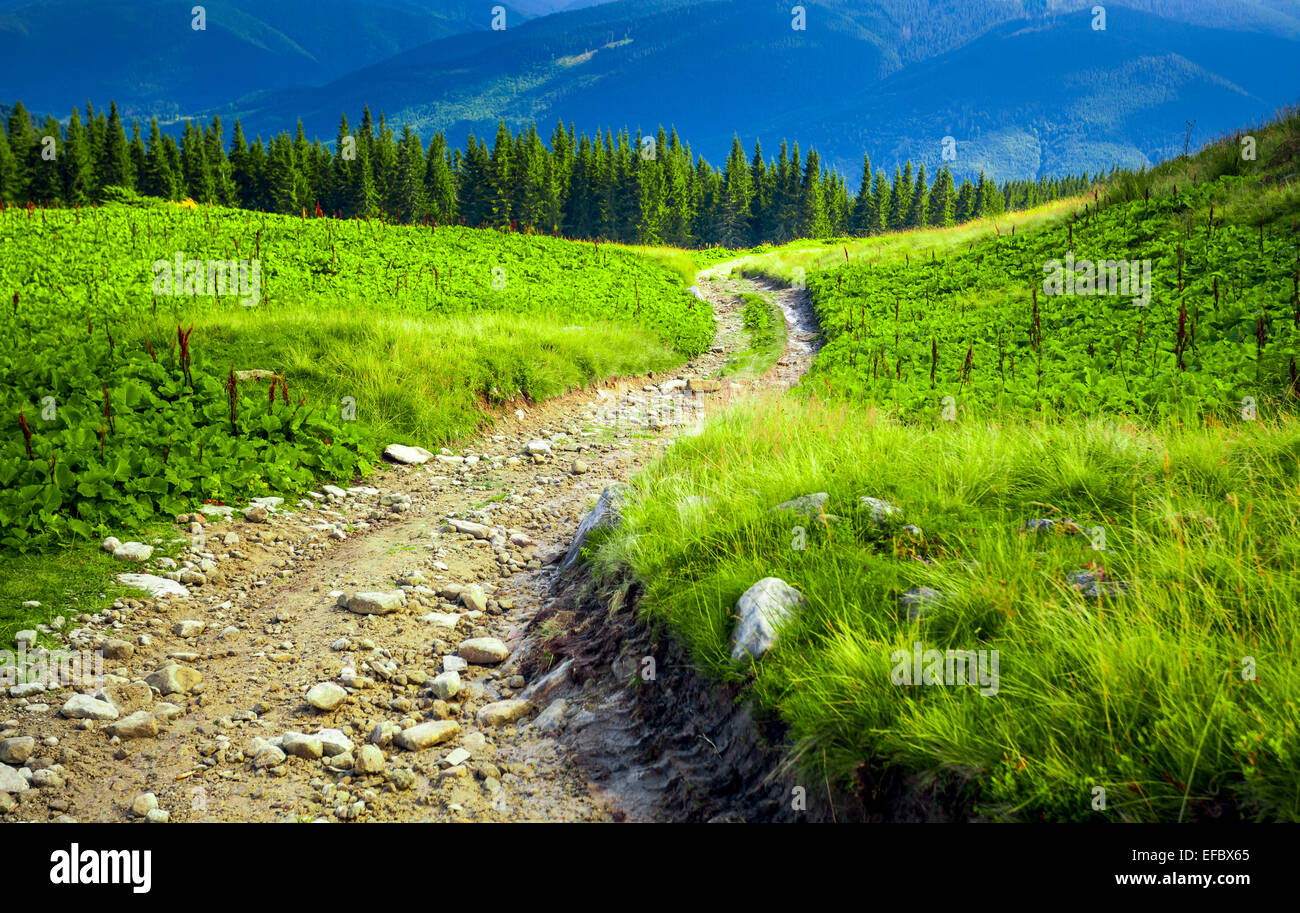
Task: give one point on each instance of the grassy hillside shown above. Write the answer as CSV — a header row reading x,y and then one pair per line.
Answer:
x,y
366,333
361,334
1125,542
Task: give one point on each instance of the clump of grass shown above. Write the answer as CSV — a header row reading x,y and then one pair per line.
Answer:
x,y
424,380
765,324
1180,697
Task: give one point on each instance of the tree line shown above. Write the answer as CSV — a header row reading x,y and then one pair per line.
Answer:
x,y
612,186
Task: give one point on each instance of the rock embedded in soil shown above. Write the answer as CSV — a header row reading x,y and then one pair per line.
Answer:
x,y
127,697
368,759
326,696
552,718
17,750
11,781
334,742
373,603
118,649
174,679
484,651
268,756
144,804
881,511
426,735
140,725
763,608
499,713
85,707
809,507
477,530
307,747
456,757
607,514
446,686
473,599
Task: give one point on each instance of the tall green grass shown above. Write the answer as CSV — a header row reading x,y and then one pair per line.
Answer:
x,y
419,379
1147,695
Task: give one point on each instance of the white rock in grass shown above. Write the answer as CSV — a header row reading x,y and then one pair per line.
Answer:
x,y
809,507
881,511
919,600
762,609
159,587
411,456
135,552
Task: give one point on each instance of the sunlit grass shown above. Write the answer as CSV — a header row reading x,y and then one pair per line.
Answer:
x,y
1148,694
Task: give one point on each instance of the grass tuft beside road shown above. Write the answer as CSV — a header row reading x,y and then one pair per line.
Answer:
x,y
1180,697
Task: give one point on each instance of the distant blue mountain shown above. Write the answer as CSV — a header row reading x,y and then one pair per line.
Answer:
x,y
1024,88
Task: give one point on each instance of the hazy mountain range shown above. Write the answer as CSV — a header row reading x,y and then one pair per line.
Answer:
x,y
1025,87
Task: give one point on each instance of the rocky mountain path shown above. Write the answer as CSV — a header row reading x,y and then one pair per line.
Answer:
x,y
356,656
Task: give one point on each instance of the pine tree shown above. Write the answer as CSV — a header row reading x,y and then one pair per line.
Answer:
x,y
113,166
240,174
916,210
45,167
408,195
499,187
474,184
158,180
980,203
9,175
173,153
223,185
194,165
900,198
579,210
78,173
941,199
760,204
737,194
384,167
439,182
880,203
965,206
813,222
137,155
22,141
862,204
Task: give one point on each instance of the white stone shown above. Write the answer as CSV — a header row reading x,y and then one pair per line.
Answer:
x,y
411,456
159,587
762,609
